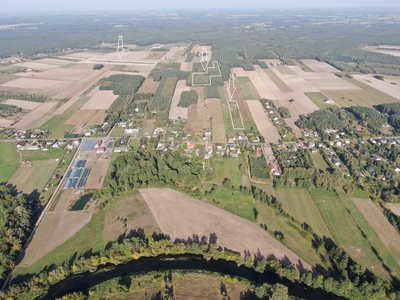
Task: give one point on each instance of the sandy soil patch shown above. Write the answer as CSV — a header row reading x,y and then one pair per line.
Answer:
x,y
383,86
63,74
214,111
102,100
149,86
239,72
181,216
175,112
30,118
244,181
54,229
81,117
319,67
33,83
153,55
264,125
260,86
99,171
5,122
394,207
29,105
386,232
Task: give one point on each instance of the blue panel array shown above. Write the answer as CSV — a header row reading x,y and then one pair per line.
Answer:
x,y
88,145
78,175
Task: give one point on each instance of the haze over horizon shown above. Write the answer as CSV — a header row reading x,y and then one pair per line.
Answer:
x,y
26,6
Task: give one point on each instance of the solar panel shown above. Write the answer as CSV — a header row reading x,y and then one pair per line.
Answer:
x,y
68,173
78,173
73,184
72,175
83,163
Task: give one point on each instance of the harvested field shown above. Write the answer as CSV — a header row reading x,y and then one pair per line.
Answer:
x,y
5,122
303,104
6,78
29,105
153,55
239,72
380,85
277,81
54,229
81,117
386,232
175,111
80,86
249,90
284,70
39,84
98,118
173,53
149,86
187,66
128,56
181,216
319,67
319,100
65,199
62,74
82,66
264,125
30,118
83,55
394,207
214,111
99,171
261,87
43,64
367,96
101,100
31,178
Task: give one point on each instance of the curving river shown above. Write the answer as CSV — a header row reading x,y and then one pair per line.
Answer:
x,y
82,282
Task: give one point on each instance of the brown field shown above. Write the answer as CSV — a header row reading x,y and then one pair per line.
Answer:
x,y
81,117
6,78
187,66
214,111
194,121
319,67
77,88
98,117
264,125
153,55
261,87
44,64
54,229
83,55
148,127
173,53
181,216
62,74
30,118
383,86
101,100
394,207
29,105
278,82
239,72
367,96
83,66
65,198
386,232
39,84
241,100
5,122
30,178
127,57
137,213
149,86
175,112
99,171
303,104
295,82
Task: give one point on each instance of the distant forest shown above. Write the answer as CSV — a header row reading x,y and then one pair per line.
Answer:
x,y
236,41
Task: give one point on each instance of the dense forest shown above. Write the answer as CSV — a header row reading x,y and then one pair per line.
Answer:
x,y
121,84
187,98
393,112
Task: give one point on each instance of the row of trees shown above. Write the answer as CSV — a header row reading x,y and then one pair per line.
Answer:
x,y
23,96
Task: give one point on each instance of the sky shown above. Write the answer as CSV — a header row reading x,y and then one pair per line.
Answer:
x,y
133,5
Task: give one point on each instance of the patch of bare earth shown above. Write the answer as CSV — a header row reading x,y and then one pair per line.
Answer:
x,y
149,86
35,115
264,125
214,111
394,207
181,216
98,173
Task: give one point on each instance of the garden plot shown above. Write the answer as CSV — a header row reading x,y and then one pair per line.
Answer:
x,y
101,100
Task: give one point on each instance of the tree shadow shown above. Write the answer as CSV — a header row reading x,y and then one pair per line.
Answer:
x,y
248,295
285,261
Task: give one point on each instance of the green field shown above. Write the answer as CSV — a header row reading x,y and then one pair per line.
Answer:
x,y
68,65
284,70
117,131
345,230
9,161
38,155
225,112
318,99
319,162
299,204
248,89
226,168
279,82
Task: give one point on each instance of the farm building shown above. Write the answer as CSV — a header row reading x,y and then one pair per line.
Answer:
x,y
101,150
132,130
98,144
121,149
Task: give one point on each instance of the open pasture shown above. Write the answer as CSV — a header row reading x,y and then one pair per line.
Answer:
x,y
30,178
9,161
248,88
148,127
29,105
386,232
383,86
62,74
264,125
175,111
318,99
319,67
181,216
149,86
37,84
98,118
35,115
101,100
214,111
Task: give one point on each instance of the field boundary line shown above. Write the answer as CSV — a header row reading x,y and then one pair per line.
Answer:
x,y
230,112
205,73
